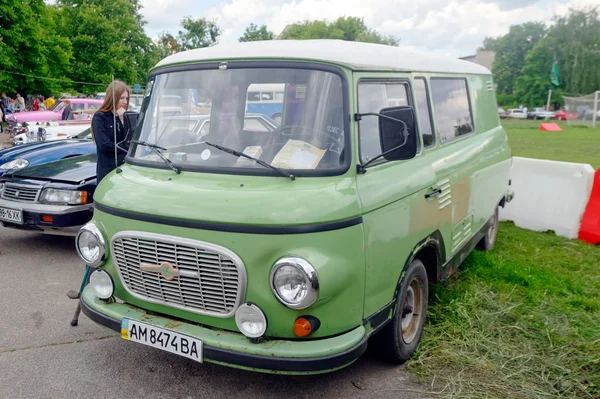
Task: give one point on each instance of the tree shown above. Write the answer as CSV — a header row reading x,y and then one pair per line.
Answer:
x,y
577,38
532,85
28,54
511,50
344,28
108,39
197,33
254,33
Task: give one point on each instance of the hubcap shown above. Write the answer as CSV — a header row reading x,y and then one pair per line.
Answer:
x,y
412,310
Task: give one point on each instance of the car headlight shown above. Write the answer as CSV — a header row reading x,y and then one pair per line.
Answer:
x,y
102,285
63,197
294,282
90,245
251,321
15,164
1,188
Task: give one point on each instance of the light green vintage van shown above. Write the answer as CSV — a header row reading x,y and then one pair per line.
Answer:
x,y
289,246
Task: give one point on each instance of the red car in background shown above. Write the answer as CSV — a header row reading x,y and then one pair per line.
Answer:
x,y
563,115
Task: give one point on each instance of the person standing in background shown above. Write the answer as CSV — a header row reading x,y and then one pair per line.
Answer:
x,y
20,103
50,101
66,115
107,122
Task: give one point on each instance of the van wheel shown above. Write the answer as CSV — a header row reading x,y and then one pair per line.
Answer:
x,y
489,240
399,340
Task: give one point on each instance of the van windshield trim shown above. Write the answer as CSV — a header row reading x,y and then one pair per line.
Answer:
x,y
348,159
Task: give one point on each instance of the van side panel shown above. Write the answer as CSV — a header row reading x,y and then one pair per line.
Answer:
x,y
476,168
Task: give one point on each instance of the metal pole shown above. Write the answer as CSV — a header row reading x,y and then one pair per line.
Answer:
x,y
548,102
595,109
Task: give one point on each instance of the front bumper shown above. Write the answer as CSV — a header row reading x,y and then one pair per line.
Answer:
x,y
234,349
66,219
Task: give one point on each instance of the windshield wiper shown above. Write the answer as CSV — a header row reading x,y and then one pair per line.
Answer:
x,y
157,149
258,161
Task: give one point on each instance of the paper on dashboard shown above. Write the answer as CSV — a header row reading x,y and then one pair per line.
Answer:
x,y
297,154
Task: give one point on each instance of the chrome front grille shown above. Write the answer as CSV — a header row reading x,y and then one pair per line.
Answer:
x,y
19,192
211,279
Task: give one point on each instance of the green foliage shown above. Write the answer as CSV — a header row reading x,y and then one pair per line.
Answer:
x,y
197,33
344,28
108,39
254,33
532,85
511,51
577,38
26,48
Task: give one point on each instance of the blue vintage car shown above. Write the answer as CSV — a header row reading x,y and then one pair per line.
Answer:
x,y
19,157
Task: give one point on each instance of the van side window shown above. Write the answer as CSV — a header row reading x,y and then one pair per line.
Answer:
x,y
372,97
424,112
452,111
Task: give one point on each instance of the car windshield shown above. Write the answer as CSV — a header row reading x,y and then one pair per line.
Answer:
x,y
288,118
57,106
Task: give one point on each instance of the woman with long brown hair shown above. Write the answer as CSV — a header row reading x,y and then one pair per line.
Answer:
x,y
104,122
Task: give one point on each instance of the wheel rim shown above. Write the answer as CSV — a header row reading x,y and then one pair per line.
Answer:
x,y
493,230
412,310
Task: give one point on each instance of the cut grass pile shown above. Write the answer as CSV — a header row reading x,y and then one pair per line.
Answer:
x,y
522,321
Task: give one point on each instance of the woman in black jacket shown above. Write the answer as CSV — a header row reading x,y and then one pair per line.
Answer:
x,y
104,121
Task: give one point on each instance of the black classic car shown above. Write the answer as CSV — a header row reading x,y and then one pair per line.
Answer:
x,y
54,198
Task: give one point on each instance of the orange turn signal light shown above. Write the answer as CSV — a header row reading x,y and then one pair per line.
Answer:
x,y
306,325
47,219
84,197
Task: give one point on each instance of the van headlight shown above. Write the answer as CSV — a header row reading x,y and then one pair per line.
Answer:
x,y
294,282
90,245
15,164
102,284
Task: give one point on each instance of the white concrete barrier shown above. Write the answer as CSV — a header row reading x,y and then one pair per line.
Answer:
x,y
549,195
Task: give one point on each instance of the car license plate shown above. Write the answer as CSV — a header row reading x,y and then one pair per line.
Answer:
x,y
11,215
161,338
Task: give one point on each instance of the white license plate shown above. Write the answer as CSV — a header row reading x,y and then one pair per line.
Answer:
x,y
161,338
11,215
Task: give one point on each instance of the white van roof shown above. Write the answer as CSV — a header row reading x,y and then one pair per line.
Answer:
x,y
355,55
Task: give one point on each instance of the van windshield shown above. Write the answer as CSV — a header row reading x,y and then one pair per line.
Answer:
x,y
289,118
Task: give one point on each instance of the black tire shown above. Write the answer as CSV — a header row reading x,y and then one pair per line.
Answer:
x,y
400,338
488,242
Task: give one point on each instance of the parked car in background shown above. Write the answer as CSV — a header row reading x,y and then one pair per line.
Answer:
x,y
53,198
516,113
19,157
502,113
540,113
563,115
55,112
50,131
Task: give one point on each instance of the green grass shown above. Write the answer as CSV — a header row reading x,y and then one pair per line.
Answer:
x,y
522,321
573,144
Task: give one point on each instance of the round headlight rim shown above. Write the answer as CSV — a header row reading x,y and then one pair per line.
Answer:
x,y
112,284
95,231
310,275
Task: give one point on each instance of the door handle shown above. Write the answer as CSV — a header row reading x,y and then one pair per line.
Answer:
x,y
434,193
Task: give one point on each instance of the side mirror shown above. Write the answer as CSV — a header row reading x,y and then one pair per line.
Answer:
x,y
130,119
397,130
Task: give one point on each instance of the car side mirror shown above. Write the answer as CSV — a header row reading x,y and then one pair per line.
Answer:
x,y
397,132
130,118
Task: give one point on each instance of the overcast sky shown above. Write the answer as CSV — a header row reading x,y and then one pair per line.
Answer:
x,y
450,27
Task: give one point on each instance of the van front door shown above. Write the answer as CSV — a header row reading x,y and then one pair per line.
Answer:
x,y
396,214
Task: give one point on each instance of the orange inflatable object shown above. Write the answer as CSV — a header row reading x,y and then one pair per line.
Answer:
x,y
550,127
590,223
